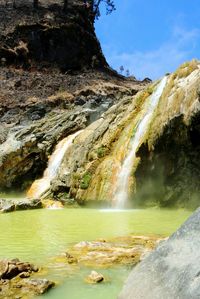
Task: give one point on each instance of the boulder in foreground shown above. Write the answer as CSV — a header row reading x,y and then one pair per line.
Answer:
x,y
172,271
16,280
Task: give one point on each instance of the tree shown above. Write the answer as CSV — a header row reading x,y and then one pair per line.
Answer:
x,y
121,69
127,73
95,5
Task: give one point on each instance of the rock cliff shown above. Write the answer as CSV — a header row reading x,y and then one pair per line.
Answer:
x,y
54,82
47,95
49,36
165,170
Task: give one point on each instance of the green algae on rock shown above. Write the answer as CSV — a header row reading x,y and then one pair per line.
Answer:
x,y
107,253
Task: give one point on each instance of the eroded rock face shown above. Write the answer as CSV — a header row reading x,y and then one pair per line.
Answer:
x,y
168,172
15,281
24,153
171,179
172,270
54,82
49,36
169,149
31,127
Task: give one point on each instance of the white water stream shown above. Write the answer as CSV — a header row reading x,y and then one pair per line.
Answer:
x,y
39,187
122,186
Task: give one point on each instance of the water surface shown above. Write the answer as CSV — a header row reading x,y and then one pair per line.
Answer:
x,y
39,235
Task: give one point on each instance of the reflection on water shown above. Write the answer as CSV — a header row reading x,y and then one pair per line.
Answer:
x,y
12,195
38,235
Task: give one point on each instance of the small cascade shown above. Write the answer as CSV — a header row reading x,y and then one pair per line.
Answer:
x,y
122,185
39,187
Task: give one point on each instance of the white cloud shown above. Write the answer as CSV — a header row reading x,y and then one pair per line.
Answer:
x,y
156,63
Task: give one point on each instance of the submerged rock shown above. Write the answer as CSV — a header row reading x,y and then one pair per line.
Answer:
x,y
38,286
124,251
6,206
172,270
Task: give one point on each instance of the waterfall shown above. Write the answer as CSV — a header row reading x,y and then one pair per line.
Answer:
x,y
122,185
39,187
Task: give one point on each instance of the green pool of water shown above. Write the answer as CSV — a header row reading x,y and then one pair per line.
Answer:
x,y
39,235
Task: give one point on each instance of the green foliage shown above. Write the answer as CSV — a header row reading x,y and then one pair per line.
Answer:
x,y
85,180
109,4
186,69
101,152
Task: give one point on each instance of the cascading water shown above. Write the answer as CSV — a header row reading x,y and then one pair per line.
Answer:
x,y
122,186
39,187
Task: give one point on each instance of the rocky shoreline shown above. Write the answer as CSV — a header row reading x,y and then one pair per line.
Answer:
x,y
20,279
8,205
16,280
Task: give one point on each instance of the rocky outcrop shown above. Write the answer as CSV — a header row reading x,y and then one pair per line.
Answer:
x,y
106,253
39,106
168,173
15,281
49,36
168,151
172,270
27,142
97,151
54,82
24,154
7,205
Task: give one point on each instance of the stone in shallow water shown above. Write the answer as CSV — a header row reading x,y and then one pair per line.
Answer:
x,y
14,205
28,204
15,281
127,250
12,268
6,206
95,277
38,286
71,259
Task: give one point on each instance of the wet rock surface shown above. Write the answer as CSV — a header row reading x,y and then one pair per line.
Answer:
x,y
107,253
16,281
172,270
165,169
27,143
168,173
8,205
95,277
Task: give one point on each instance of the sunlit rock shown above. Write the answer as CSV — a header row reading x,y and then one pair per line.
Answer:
x,y
94,277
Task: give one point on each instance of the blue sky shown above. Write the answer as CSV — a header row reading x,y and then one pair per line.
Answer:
x,y
150,37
